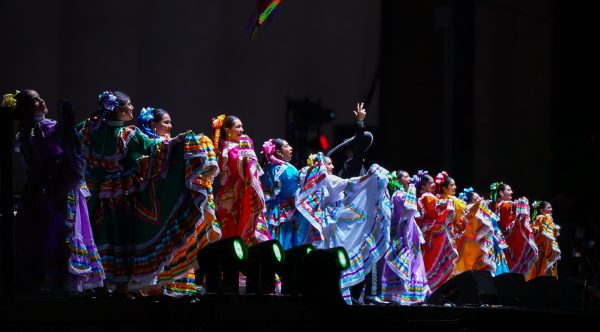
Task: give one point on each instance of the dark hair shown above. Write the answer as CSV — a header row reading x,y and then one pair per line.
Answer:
x,y
149,115
469,196
278,142
122,98
227,123
422,181
537,210
24,104
103,114
398,172
445,184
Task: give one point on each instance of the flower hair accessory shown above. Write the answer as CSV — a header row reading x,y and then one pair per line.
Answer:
x,y
108,101
536,207
268,150
217,122
494,188
464,194
393,182
146,116
440,178
418,178
9,100
315,158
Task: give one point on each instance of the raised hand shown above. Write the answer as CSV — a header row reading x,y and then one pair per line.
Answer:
x,y
360,112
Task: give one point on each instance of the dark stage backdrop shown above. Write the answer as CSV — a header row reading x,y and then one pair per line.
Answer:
x,y
485,89
195,58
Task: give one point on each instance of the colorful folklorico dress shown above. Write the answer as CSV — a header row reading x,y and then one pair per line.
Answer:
x,y
150,206
404,279
546,237
521,252
439,253
240,200
352,213
54,242
280,183
481,244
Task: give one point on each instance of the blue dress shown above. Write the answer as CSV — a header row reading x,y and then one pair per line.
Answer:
x,y
280,183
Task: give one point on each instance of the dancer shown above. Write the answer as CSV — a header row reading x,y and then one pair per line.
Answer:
x,y
481,246
53,238
240,200
404,279
150,198
521,253
280,183
439,253
353,213
546,234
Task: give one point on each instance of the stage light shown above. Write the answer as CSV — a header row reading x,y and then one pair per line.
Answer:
x,y
264,260
289,273
219,265
320,274
470,288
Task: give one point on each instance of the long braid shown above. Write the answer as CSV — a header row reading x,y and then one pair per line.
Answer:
x,y
217,124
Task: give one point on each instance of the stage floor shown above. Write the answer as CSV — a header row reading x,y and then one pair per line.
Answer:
x,y
272,313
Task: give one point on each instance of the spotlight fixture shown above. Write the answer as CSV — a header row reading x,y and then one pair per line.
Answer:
x,y
320,274
264,260
219,265
291,268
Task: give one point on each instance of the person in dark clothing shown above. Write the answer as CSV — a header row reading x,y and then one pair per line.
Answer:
x,y
354,149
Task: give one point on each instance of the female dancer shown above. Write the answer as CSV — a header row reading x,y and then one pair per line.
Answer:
x,y
54,242
353,213
481,245
545,232
280,183
240,200
404,278
439,254
156,123
521,253
149,197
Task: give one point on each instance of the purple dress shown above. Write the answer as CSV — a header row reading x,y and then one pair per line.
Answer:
x,y
54,245
404,279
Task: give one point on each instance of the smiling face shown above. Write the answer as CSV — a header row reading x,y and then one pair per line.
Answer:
x,y
163,126
39,105
125,111
506,194
405,180
547,209
429,186
449,189
235,130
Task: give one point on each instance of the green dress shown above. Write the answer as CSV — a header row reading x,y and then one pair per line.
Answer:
x,y
151,204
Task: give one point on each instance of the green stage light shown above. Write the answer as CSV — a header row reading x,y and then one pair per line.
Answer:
x,y
238,246
320,275
219,265
342,258
264,260
291,268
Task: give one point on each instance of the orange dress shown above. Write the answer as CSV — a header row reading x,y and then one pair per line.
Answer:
x,y
545,232
439,254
